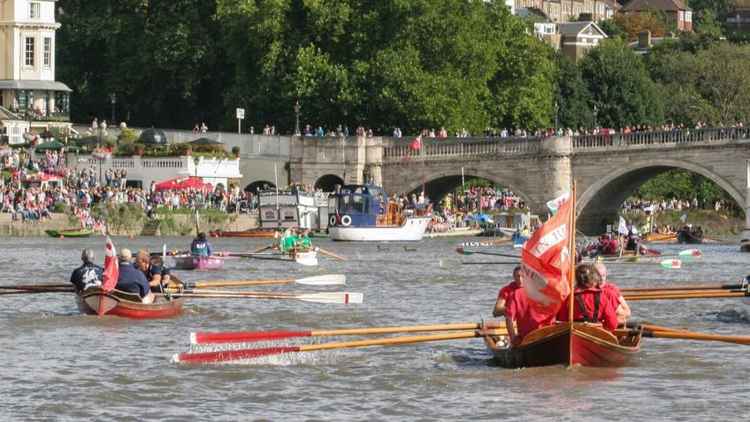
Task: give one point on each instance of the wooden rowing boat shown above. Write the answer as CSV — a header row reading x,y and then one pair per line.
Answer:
x,y
70,233
126,305
560,344
251,233
191,262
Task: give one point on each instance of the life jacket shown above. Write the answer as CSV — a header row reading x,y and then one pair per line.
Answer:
x,y
594,317
199,248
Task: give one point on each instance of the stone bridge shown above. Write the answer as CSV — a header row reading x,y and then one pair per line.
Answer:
x,y
606,168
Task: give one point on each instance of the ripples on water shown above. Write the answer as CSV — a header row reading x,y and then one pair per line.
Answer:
x,y
61,365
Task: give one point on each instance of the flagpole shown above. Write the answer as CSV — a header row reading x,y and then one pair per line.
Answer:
x,y
572,271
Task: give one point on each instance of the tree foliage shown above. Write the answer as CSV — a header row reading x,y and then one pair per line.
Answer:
x,y
413,64
620,85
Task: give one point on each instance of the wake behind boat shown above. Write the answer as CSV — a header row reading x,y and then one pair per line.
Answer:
x,y
363,214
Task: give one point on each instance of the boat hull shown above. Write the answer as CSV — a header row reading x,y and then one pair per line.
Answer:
x,y
189,262
458,232
584,344
69,233
412,230
95,301
690,238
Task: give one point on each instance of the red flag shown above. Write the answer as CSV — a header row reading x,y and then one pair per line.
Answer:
x,y
111,267
546,263
416,144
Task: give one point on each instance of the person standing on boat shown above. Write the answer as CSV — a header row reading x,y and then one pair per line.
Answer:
x,y
622,310
201,246
88,274
592,304
506,292
132,280
153,268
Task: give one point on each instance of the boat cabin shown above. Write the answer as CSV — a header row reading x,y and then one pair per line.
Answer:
x,y
360,205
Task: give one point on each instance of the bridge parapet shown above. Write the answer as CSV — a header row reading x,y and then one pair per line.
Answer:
x,y
658,139
395,149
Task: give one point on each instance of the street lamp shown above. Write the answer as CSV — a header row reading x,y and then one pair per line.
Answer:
x,y
113,100
100,130
557,115
296,118
596,112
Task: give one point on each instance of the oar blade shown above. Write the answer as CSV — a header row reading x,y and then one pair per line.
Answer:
x,y
692,253
344,298
244,336
671,264
231,355
323,280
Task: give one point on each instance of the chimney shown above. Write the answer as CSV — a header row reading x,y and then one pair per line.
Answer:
x,y
644,39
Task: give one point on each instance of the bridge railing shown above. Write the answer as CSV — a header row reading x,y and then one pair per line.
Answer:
x,y
436,149
675,137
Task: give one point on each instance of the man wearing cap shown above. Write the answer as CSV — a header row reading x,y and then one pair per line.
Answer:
x,y
131,279
88,274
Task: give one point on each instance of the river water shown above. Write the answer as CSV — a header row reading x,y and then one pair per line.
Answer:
x,y
60,365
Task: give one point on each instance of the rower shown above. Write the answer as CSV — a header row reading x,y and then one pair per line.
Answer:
x,y
592,304
505,292
520,318
303,241
622,310
288,241
201,246
130,279
153,268
88,274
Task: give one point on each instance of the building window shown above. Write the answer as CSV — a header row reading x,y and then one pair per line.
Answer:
x,y
29,51
35,10
47,52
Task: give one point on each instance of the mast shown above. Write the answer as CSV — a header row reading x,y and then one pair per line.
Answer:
x,y
572,271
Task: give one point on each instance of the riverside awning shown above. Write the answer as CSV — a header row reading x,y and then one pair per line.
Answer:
x,y
30,85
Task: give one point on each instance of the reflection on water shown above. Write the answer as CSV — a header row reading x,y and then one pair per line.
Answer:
x,y
59,358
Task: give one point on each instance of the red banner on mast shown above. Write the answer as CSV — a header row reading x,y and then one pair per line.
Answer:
x,y
545,259
111,267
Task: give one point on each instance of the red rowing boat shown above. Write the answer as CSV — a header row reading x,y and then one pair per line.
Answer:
x,y
560,344
127,305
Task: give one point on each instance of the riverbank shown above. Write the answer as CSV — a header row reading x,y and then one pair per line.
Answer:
x,y
127,223
715,225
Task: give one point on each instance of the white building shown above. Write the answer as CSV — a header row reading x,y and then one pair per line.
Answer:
x,y
30,98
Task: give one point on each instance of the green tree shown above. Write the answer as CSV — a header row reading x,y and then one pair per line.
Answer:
x,y
573,97
620,85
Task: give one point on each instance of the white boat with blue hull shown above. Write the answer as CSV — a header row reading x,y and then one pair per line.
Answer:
x,y
364,215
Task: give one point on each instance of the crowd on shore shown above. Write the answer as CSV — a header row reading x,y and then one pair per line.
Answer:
x,y
471,206
641,205
31,188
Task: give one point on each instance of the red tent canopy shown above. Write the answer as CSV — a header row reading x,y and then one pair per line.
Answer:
x,y
182,183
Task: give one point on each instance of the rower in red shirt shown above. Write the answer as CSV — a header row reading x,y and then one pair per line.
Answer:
x,y
520,317
592,304
505,292
622,310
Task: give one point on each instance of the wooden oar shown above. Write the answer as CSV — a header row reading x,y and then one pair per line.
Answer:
x,y
344,298
36,286
35,291
491,263
264,248
689,335
685,287
230,355
685,295
252,336
463,251
331,254
318,280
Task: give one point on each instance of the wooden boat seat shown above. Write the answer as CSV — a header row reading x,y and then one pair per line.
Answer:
x,y
595,330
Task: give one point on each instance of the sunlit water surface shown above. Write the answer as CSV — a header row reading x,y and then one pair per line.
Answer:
x,y
60,365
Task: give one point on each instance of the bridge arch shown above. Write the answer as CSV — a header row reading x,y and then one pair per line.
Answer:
x,y
328,182
600,202
257,185
440,185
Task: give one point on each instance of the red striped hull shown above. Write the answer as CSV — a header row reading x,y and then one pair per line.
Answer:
x,y
585,345
96,302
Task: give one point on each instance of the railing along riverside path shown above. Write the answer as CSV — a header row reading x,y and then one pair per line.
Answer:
x,y
447,148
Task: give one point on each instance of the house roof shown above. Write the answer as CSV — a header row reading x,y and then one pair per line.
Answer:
x,y
575,28
663,5
34,85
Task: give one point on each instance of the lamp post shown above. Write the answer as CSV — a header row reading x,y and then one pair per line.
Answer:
x,y
100,130
596,112
296,118
113,101
557,115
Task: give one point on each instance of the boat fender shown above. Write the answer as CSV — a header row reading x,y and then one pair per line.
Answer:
x,y
332,221
346,220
